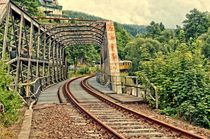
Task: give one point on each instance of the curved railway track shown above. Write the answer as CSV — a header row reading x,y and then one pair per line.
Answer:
x,y
118,120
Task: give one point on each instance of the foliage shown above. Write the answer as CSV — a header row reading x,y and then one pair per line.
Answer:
x,y
180,34
80,15
196,23
154,29
135,29
183,84
123,37
83,54
83,71
166,35
141,49
9,99
30,6
205,45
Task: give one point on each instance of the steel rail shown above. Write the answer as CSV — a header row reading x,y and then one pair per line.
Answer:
x,y
74,101
92,91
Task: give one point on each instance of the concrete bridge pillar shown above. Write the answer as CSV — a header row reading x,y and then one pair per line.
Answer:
x,y
111,60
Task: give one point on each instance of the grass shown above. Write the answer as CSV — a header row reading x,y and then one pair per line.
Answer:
x,y
11,131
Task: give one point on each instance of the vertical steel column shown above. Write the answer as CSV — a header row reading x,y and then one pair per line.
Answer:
x,y
19,52
44,55
53,61
49,61
60,63
29,59
38,57
64,64
57,61
6,32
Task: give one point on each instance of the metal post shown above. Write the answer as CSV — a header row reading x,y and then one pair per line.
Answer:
x,y
57,64
53,60
6,33
38,58
137,84
19,52
29,58
49,61
60,64
116,84
63,62
44,55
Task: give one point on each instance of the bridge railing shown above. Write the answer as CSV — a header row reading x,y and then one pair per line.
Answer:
x,y
31,91
35,56
131,85
3,8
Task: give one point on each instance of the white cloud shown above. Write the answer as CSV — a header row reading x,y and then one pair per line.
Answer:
x,y
170,12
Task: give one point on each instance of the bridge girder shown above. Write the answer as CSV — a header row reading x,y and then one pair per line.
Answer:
x,y
37,56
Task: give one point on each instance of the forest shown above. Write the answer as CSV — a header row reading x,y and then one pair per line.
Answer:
x,y
176,60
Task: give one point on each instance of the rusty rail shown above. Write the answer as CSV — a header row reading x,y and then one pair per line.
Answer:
x,y
74,101
92,91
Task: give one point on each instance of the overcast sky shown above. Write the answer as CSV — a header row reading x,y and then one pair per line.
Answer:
x,y
142,12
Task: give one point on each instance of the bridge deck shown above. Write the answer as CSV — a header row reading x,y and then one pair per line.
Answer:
x,y
123,98
50,94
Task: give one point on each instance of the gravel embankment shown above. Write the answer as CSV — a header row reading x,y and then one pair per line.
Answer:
x,y
55,121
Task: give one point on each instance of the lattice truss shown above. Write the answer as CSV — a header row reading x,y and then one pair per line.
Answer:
x,y
36,52
79,32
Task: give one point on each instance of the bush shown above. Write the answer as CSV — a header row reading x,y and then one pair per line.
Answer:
x,y
9,99
11,103
184,85
84,70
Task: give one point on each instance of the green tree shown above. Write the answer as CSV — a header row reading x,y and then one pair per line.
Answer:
x,y
140,49
83,54
166,35
204,40
196,23
180,34
155,29
123,37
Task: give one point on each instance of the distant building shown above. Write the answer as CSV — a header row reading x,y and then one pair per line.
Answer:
x,y
51,8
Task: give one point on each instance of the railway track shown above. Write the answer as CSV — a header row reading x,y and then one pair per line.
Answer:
x,y
120,121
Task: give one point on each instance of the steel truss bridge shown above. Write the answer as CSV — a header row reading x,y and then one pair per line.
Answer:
x,y
35,53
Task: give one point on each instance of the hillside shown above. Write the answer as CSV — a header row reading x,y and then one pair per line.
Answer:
x,y
132,29
135,29
80,15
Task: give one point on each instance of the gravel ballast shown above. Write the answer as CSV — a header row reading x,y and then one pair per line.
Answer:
x,y
56,121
